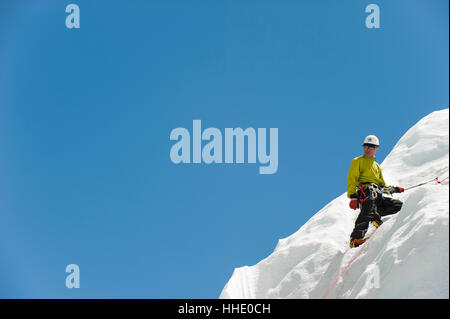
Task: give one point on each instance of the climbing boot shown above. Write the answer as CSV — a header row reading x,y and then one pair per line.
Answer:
x,y
356,242
377,221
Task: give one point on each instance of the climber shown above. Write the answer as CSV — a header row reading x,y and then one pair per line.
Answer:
x,y
365,188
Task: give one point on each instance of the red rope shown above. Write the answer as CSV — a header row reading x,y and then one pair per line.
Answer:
x,y
351,261
362,194
437,178
442,180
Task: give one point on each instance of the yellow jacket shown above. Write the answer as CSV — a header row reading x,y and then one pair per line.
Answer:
x,y
363,169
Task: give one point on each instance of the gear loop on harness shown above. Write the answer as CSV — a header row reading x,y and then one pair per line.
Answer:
x,y
373,191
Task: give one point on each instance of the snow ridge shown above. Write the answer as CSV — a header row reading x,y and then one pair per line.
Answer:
x,y
409,254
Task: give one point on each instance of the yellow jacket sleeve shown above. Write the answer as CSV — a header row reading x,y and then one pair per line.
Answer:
x,y
352,178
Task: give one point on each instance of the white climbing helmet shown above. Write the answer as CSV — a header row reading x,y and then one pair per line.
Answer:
x,y
372,139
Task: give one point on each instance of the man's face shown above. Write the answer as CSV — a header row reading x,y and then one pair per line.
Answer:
x,y
370,151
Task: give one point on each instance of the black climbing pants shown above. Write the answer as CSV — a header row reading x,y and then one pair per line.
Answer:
x,y
373,203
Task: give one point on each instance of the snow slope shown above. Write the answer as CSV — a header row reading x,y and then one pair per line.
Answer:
x,y
408,256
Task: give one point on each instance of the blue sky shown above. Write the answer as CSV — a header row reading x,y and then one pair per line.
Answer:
x,y
85,118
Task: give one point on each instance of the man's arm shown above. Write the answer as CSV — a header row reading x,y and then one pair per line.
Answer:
x,y
390,189
352,178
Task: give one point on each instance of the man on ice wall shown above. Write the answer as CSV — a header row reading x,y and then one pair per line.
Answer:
x,y
365,188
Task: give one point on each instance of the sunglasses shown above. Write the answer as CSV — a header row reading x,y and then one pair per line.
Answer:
x,y
370,146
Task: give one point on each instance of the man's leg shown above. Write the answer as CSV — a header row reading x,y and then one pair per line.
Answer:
x,y
388,206
368,209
